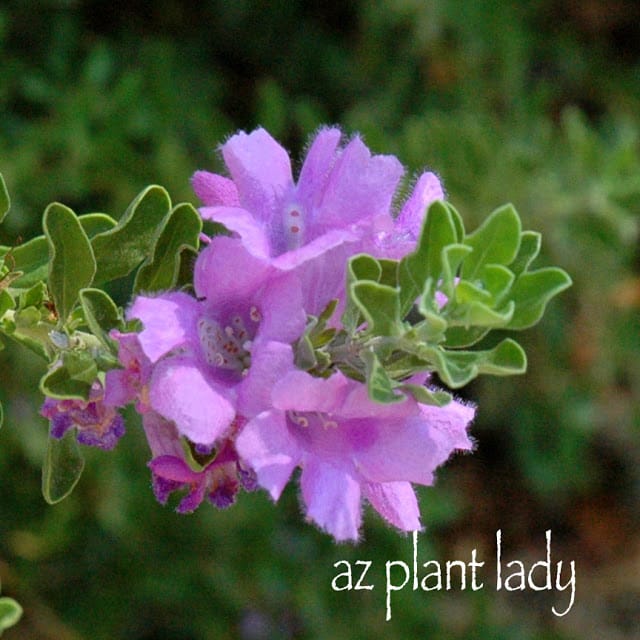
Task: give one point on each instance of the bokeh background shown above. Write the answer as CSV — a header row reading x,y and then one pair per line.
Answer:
x,y
534,103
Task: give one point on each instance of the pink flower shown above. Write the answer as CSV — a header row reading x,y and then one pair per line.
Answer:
x,y
340,205
218,479
210,357
97,424
350,448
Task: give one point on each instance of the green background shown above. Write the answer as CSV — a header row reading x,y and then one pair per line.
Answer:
x,y
534,103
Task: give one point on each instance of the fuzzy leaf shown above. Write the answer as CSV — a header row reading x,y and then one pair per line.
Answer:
x,y
495,241
6,302
380,306
72,264
438,231
530,242
101,314
531,293
181,231
425,395
59,383
359,267
32,257
121,249
458,368
379,385
63,466
452,257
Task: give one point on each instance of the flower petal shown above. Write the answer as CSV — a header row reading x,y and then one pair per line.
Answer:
x,y
261,170
169,322
427,190
226,271
215,190
299,391
317,164
449,426
280,303
360,186
162,437
240,221
332,498
181,392
395,502
269,364
267,447
403,449
174,469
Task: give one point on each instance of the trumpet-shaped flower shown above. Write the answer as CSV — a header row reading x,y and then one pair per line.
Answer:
x,y
208,355
97,424
218,478
340,205
350,448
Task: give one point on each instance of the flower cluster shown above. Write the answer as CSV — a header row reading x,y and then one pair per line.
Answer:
x,y
216,375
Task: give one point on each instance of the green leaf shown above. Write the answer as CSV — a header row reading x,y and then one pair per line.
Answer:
x,y
1,415
80,366
305,355
101,314
34,296
120,250
10,613
458,368
95,223
380,306
530,242
72,264
452,257
497,280
506,359
5,201
380,386
359,267
32,257
63,466
181,231
6,302
439,231
460,336
59,383
495,241
531,293
435,397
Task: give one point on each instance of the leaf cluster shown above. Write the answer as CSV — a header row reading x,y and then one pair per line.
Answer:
x,y
426,312
52,300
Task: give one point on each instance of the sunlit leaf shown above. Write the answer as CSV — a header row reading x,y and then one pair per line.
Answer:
x,y
72,264
181,231
380,386
121,249
101,314
531,293
495,241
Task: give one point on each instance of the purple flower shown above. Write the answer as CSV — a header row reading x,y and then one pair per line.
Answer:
x,y
350,448
218,479
97,424
129,384
210,356
339,206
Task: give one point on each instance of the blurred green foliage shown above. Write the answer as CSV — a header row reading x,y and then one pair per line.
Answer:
x,y
536,103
